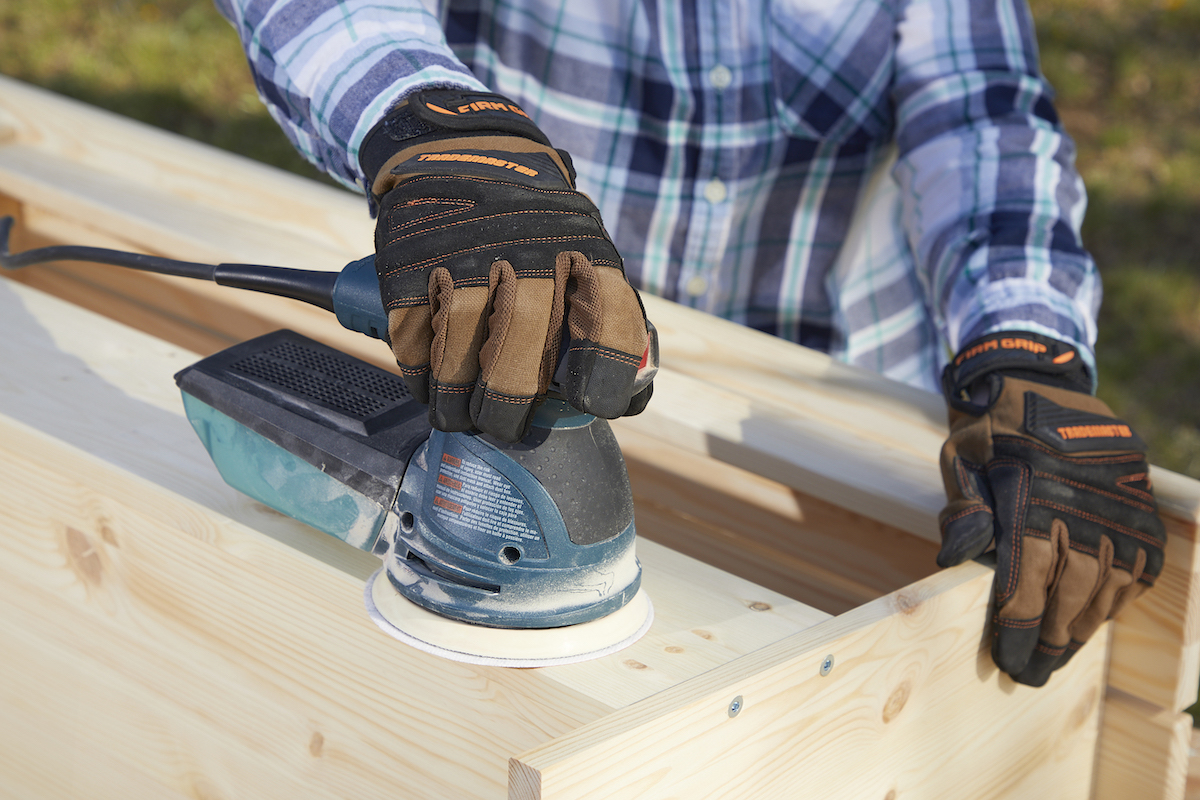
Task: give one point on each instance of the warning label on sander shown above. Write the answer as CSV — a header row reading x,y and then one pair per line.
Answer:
x,y
482,507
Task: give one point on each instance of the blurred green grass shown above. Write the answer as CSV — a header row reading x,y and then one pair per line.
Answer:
x,y
175,64
1128,91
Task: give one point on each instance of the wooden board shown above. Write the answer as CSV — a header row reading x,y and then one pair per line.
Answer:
x,y
1144,752
901,712
793,477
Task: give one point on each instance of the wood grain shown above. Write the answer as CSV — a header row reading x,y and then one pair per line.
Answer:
x,y
1156,646
911,707
1143,750
790,541
184,645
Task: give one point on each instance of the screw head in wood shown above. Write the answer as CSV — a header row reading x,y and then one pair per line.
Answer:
x,y
827,665
735,706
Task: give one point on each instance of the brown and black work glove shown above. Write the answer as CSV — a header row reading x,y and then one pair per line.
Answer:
x,y
1038,465
484,250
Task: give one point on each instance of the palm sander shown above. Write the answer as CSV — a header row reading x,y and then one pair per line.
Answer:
x,y
509,554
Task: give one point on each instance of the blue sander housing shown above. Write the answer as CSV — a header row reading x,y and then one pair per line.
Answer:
x,y
536,534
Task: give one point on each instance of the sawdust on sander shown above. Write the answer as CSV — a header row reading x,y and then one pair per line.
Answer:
x,y
504,647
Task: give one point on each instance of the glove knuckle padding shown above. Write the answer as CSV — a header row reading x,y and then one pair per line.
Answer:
x,y
468,223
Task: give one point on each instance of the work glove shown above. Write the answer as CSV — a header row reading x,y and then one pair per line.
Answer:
x,y
484,250
1038,466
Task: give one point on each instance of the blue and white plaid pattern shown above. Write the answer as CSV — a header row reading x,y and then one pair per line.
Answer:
x,y
730,144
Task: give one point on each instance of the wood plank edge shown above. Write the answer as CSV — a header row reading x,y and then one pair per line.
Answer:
x,y
719,682
1156,641
1143,750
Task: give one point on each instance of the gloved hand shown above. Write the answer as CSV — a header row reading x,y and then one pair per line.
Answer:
x,y
1042,468
484,250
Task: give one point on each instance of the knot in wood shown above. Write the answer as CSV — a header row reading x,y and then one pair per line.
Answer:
x,y
907,601
83,558
896,701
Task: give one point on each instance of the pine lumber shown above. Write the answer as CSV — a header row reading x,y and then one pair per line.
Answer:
x,y
1144,751
909,707
794,542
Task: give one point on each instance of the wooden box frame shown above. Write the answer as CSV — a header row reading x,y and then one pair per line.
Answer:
x,y
167,637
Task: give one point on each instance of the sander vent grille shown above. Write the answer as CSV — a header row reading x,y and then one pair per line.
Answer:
x,y
349,387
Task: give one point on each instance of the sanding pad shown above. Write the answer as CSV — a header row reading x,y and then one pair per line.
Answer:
x,y
504,647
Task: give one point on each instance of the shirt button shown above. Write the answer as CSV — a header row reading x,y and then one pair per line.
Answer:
x,y
696,286
720,77
715,191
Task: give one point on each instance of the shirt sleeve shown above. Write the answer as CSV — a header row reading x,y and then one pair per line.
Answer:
x,y
992,203
328,70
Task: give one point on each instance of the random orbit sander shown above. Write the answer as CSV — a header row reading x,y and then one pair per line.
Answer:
x,y
516,555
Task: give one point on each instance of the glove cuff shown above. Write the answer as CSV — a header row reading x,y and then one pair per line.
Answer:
x,y
981,363
443,113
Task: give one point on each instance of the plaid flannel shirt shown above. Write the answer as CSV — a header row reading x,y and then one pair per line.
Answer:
x,y
883,180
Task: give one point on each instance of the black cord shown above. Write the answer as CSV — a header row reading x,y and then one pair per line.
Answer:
x,y
99,255
310,286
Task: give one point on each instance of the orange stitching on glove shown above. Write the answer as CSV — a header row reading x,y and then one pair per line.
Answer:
x,y
615,355
470,220
452,388
461,206
1134,478
974,509
1116,458
514,399
1096,490
1099,521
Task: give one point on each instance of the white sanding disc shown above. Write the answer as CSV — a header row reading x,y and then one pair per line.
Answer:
x,y
504,647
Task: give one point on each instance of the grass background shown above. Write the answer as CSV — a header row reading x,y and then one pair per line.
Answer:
x,y
1129,93
1128,87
